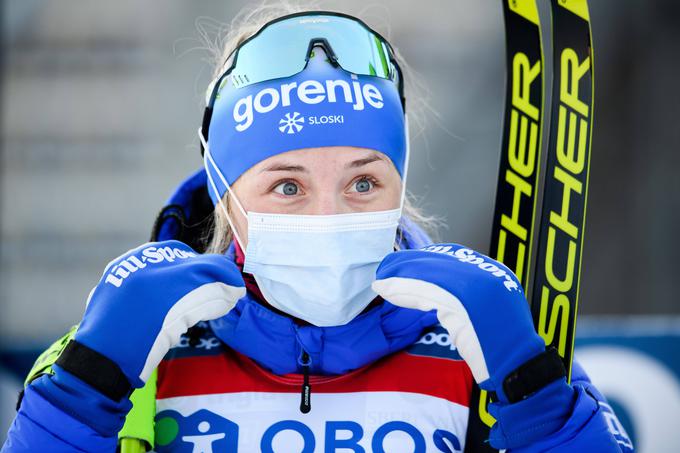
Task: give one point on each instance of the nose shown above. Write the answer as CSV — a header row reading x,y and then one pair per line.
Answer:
x,y
327,203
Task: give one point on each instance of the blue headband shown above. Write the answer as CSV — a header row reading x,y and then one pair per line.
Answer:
x,y
320,106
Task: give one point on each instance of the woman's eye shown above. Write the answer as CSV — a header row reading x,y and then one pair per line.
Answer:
x,y
286,188
363,185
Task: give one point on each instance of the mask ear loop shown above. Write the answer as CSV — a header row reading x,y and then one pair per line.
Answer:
x,y
406,163
207,157
399,238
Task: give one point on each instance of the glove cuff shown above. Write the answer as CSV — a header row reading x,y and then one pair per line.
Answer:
x,y
534,418
95,369
533,375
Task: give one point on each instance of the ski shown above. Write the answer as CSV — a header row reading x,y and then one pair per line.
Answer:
x,y
556,281
512,230
555,273
518,173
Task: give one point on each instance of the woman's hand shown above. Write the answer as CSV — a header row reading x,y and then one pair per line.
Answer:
x,y
481,304
478,300
144,301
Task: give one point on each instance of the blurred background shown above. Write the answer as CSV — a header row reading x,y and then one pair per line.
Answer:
x,y
100,103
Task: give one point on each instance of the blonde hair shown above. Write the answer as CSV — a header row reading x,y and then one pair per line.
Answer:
x,y
221,40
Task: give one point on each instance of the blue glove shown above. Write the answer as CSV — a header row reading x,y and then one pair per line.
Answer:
x,y
144,301
148,297
482,305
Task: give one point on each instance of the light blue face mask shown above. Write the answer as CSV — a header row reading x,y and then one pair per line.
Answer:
x,y
318,268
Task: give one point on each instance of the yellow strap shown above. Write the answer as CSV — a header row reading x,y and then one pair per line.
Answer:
x,y
43,364
128,445
139,422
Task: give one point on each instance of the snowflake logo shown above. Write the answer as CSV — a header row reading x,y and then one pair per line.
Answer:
x,y
291,123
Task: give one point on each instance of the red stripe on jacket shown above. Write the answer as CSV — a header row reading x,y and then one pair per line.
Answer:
x,y
232,372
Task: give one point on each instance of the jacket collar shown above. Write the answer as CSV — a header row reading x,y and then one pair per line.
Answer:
x,y
276,342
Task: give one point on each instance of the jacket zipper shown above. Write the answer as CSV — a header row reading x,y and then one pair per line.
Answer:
x,y
306,391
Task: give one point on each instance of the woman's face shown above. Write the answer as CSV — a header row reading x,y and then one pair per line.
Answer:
x,y
317,181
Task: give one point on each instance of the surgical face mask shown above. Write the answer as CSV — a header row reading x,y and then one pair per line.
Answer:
x,y
318,268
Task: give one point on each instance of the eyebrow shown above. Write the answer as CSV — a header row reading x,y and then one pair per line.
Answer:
x,y
299,168
365,161
285,167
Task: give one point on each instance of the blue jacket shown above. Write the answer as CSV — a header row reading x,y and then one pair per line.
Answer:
x,y
61,413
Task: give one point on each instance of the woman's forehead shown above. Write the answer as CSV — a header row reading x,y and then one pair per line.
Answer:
x,y
332,156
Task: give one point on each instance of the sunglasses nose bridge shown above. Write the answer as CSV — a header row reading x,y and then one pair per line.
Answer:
x,y
326,46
